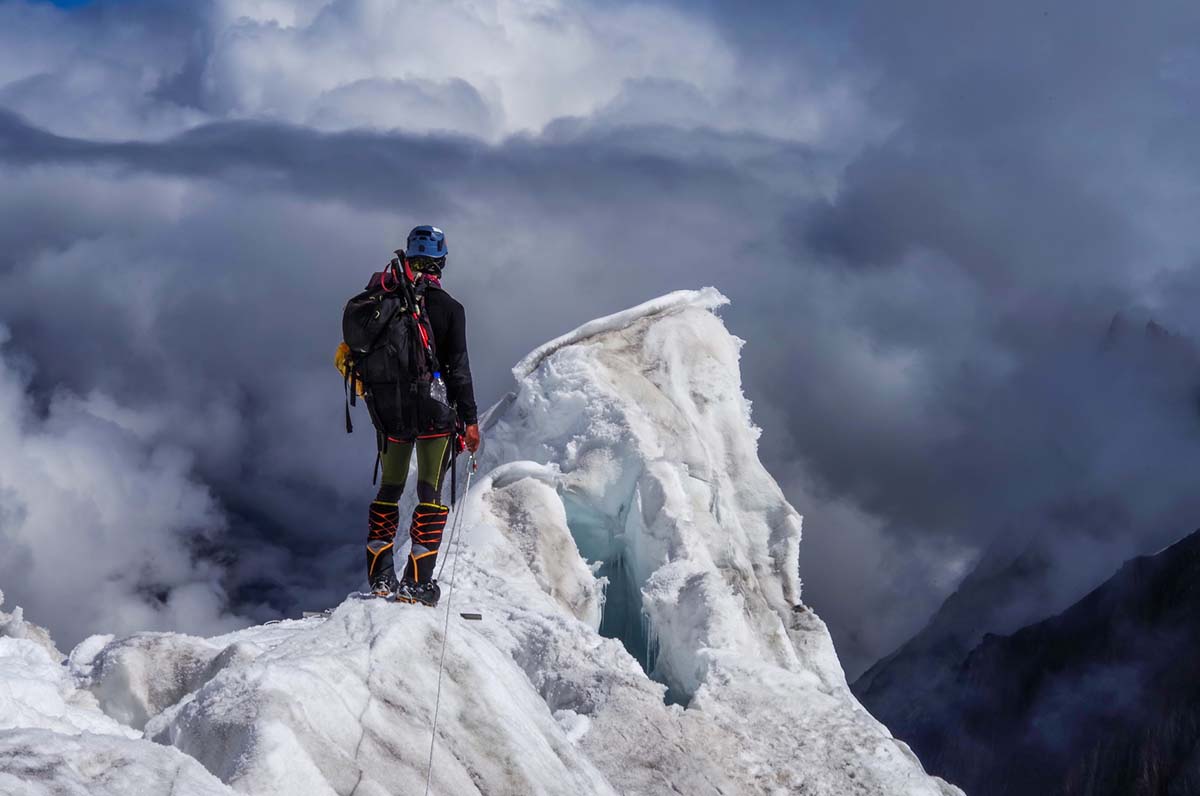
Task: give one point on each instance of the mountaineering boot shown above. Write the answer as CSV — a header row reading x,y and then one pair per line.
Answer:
x,y
427,593
428,522
404,591
382,588
381,537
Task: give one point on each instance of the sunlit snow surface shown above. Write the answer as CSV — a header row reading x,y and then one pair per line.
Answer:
x,y
620,491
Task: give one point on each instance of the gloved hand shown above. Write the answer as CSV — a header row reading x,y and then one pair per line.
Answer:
x,y
471,437
341,360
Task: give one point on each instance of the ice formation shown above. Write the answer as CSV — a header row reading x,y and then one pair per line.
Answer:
x,y
55,739
642,631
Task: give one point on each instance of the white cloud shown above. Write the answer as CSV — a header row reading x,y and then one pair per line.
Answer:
x,y
92,77
481,69
414,105
97,522
528,63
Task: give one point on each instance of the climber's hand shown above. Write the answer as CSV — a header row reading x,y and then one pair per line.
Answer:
x,y
471,438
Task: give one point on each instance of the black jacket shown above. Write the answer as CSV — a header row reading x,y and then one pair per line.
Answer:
x,y
449,322
402,410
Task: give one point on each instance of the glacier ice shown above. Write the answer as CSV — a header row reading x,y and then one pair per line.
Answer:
x,y
643,632
55,739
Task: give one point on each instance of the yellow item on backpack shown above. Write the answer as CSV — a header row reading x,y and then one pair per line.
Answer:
x,y
341,360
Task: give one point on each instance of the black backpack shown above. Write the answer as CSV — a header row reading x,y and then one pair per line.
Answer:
x,y
393,356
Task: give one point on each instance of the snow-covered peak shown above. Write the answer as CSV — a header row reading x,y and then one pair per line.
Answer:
x,y
637,572
647,440
708,298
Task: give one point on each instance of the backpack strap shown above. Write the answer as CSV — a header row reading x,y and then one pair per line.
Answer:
x,y
414,289
347,383
380,449
457,444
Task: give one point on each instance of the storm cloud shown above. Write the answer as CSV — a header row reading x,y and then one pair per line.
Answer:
x,y
927,217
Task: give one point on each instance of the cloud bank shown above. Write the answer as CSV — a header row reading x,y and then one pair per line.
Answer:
x,y
102,527
926,219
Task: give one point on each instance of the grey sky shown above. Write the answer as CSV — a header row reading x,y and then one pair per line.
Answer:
x,y
926,215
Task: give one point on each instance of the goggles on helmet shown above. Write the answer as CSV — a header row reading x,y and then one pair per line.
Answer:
x,y
427,264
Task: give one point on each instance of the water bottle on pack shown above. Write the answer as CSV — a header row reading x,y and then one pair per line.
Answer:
x,y
437,389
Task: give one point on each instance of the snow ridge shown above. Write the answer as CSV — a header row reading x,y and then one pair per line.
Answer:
x,y
643,632
706,298
55,739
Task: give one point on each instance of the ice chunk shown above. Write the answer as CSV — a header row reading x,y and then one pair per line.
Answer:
x,y
14,626
45,763
643,416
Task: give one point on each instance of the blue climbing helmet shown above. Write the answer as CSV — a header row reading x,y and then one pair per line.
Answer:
x,y
428,243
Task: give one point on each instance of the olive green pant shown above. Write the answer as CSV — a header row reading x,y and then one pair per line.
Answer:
x,y
432,457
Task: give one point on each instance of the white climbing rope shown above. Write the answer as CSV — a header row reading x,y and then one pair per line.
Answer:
x,y
454,526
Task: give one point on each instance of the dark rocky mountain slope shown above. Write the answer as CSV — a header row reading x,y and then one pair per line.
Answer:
x,y
1102,699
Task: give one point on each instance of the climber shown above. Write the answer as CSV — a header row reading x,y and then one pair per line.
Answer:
x,y
432,425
